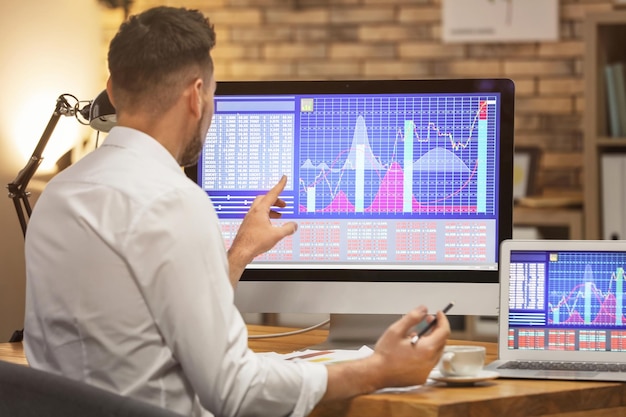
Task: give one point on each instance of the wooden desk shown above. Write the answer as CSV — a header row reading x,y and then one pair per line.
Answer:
x,y
12,352
496,398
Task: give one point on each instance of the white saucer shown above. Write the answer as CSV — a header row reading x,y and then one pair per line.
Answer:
x,y
463,380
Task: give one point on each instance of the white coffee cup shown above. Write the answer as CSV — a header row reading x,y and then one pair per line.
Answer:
x,y
462,360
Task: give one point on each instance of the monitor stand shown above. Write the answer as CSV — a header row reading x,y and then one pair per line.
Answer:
x,y
352,331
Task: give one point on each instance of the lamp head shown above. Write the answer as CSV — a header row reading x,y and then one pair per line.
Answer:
x,y
102,115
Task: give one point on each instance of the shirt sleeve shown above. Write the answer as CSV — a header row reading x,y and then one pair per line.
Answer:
x,y
178,258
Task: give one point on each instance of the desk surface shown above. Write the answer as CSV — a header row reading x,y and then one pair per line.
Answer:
x,y
500,397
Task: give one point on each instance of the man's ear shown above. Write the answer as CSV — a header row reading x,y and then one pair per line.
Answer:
x,y
109,88
195,97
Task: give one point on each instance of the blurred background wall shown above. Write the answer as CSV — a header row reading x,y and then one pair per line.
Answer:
x,y
47,48
54,47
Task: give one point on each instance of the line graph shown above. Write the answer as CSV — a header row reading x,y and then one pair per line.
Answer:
x,y
587,289
431,154
454,144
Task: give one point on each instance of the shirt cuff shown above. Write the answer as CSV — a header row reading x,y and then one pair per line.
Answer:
x,y
313,388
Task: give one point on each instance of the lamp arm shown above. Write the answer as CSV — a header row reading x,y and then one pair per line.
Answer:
x,y
17,187
101,117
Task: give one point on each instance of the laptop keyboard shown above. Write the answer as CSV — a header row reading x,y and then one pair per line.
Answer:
x,y
564,366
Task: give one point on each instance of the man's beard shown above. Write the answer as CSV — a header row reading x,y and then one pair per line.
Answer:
x,y
192,151
194,147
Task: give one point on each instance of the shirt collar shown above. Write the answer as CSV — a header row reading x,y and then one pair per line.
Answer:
x,y
129,138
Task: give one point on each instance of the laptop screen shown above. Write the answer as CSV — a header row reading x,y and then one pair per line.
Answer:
x,y
565,300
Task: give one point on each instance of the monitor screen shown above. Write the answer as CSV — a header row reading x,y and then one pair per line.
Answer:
x,y
402,190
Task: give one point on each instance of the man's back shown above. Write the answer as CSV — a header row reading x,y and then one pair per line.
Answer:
x,y
89,291
128,289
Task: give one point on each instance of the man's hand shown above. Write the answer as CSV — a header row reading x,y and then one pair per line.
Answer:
x,y
396,362
409,364
257,234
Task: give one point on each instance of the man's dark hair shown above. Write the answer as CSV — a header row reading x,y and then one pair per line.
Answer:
x,y
156,52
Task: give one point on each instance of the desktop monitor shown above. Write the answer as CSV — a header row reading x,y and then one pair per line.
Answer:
x,y
402,190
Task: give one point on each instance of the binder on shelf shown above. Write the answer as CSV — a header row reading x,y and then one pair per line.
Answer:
x,y
613,196
615,129
620,92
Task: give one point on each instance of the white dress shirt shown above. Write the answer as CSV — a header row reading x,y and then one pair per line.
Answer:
x,y
128,290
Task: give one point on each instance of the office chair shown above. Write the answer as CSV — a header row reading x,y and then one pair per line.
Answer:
x,y
28,392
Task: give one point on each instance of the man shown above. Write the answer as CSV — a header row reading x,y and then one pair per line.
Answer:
x,y
129,286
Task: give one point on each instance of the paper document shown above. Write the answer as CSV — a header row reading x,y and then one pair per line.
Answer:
x,y
324,356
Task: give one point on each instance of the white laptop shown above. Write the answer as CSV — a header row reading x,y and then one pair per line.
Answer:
x,y
562,310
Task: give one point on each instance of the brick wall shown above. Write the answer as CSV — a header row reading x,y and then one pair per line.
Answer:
x,y
377,39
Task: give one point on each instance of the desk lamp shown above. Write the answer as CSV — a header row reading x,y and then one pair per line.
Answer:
x,y
100,114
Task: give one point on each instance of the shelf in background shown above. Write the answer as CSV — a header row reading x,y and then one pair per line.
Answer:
x,y
567,218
